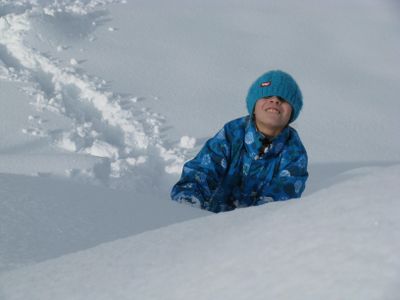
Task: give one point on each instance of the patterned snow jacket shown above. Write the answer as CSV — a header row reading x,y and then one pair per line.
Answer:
x,y
232,170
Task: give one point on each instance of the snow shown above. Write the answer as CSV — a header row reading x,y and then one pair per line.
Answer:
x,y
104,100
187,142
337,243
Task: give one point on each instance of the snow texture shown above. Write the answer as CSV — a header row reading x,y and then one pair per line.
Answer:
x,y
336,244
102,101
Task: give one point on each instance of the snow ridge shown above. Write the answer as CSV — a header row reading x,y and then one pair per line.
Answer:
x,y
104,123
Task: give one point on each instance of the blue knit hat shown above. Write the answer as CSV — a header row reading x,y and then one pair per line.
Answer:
x,y
276,83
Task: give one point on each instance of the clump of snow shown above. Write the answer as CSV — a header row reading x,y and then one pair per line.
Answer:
x,y
123,166
102,149
73,62
34,131
187,142
175,167
67,142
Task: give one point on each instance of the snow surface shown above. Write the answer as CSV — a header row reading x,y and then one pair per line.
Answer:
x,y
336,244
102,102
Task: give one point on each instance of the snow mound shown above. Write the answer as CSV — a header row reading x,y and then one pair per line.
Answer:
x,y
339,243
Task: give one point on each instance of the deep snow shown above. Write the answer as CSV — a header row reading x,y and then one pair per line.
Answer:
x,y
336,244
103,100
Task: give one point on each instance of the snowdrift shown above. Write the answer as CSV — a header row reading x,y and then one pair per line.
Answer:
x,y
339,243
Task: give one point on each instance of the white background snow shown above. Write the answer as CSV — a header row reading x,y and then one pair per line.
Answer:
x,y
103,100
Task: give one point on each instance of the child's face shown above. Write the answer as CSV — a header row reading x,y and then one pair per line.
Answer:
x,y
272,114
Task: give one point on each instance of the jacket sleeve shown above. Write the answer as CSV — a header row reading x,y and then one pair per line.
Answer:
x,y
202,175
290,179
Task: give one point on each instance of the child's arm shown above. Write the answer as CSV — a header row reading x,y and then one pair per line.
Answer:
x,y
202,175
290,180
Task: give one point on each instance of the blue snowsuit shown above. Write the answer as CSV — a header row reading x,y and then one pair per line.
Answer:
x,y
230,171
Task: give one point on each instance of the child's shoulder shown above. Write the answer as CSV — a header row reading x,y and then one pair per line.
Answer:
x,y
238,124
234,129
295,141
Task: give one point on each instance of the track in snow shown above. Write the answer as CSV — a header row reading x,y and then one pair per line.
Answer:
x,y
103,123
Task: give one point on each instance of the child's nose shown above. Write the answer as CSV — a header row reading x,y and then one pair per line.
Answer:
x,y
274,100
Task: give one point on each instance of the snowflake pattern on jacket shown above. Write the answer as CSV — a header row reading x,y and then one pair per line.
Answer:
x,y
229,172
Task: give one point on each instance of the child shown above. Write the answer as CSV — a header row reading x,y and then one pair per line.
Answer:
x,y
252,160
